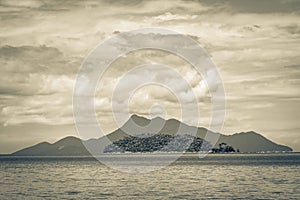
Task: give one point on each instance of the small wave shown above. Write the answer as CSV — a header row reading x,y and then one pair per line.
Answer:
x,y
73,192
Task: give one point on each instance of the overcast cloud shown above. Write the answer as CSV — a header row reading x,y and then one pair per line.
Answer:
x,y
255,45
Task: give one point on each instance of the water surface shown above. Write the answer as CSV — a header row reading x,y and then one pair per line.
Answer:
x,y
249,176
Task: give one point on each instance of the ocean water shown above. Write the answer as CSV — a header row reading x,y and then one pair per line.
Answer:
x,y
234,176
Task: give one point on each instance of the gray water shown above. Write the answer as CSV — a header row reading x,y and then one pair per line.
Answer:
x,y
275,176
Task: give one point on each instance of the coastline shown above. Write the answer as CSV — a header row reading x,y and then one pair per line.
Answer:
x,y
156,153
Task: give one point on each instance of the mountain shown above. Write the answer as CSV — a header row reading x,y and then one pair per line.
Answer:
x,y
252,142
68,146
137,125
244,141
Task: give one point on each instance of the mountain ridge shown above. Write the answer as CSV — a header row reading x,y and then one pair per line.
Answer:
x,y
249,141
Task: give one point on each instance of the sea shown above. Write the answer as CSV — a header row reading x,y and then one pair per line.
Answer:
x,y
216,176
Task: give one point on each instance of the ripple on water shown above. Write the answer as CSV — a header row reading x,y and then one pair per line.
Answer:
x,y
213,178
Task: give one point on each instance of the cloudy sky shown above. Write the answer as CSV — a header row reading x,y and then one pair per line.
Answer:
x,y
255,45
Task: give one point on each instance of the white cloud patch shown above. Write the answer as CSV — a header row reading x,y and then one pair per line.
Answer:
x,y
169,16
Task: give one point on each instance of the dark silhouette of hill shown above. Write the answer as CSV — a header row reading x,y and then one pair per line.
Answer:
x,y
252,142
68,146
137,125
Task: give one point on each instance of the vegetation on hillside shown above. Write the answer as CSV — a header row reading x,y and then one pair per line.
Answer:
x,y
223,148
159,143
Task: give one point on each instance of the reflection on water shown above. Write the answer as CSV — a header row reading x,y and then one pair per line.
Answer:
x,y
216,177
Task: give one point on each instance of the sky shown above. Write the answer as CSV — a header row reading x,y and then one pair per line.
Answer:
x,y
254,44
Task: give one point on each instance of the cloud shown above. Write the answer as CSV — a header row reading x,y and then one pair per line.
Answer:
x,y
30,70
36,85
36,59
258,6
254,44
169,16
295,67
52,109
293,29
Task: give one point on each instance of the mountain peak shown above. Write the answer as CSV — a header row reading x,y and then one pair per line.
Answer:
x,y
247,133
138,117
67,139
144,121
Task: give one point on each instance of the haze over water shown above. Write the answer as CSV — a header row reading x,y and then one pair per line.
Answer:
x,y
248,176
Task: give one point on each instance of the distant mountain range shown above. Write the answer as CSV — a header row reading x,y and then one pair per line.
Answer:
x,y
137,125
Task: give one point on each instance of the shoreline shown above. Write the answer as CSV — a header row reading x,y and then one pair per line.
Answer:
x,y
150,154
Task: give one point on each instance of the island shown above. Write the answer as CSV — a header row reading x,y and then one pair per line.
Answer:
x,y
135,136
